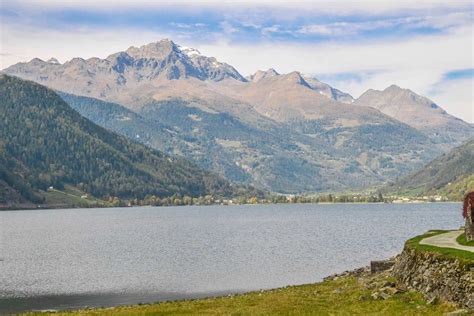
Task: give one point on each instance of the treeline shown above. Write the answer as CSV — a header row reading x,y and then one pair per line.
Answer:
x,y
175,200
179,200
326,198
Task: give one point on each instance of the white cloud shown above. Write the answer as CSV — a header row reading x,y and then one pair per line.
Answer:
x,y
456,97
270,29
227,28
182,25
435,54
441,22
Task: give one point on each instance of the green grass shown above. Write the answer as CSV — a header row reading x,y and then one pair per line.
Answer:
x,y
407,192
70,197
345,296
463,241
453,191
465,257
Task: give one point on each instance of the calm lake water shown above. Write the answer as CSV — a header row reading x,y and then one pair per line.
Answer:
x,y
55,259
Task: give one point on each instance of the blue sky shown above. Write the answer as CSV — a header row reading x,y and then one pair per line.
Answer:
x,y
353,45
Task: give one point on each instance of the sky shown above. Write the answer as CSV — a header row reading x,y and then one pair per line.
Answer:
x,y
426,46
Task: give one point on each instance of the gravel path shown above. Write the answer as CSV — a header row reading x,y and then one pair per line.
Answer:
x,y
446,240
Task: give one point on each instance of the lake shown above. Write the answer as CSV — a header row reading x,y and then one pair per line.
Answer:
x,y
56,259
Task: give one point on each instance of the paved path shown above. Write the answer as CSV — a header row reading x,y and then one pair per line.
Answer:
x,y
446,240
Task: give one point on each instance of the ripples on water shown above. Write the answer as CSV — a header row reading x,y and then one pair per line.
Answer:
x,y
147,254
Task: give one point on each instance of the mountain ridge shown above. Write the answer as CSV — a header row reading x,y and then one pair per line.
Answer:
x,y
416,111
155,63
134,76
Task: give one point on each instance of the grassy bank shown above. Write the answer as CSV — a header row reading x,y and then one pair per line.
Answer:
x,y
71,197
347,295
464,256
463,241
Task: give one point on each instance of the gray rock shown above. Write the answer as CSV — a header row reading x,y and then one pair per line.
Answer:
x,y
438,278
382,265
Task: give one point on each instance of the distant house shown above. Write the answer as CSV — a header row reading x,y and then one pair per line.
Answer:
x,y
468,213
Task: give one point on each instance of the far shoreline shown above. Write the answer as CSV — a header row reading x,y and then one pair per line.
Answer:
x,y
225,205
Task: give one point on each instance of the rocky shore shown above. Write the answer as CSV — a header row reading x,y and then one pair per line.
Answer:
x,y
438,278
377,277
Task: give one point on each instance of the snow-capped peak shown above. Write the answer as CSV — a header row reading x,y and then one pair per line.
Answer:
x,y
189,51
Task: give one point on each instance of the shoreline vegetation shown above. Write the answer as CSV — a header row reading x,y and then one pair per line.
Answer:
x,y
462,256
72,197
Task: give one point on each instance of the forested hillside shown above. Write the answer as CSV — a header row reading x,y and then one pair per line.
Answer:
x,y
452,174
44,143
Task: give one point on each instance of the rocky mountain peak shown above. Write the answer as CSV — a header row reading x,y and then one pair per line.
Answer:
x,y
416,111
36,61
408,96
262,74
120,61
178,62
53,61
147,64
76,61
297,78
155,50
404,95
328,91
394,87
391,92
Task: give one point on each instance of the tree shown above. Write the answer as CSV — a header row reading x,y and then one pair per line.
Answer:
x,y
330,198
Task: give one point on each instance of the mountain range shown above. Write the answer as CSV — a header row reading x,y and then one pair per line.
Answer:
x,y
45,143
287,133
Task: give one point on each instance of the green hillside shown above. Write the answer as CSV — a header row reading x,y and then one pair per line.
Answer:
x,y
451,175
457,189
44,143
